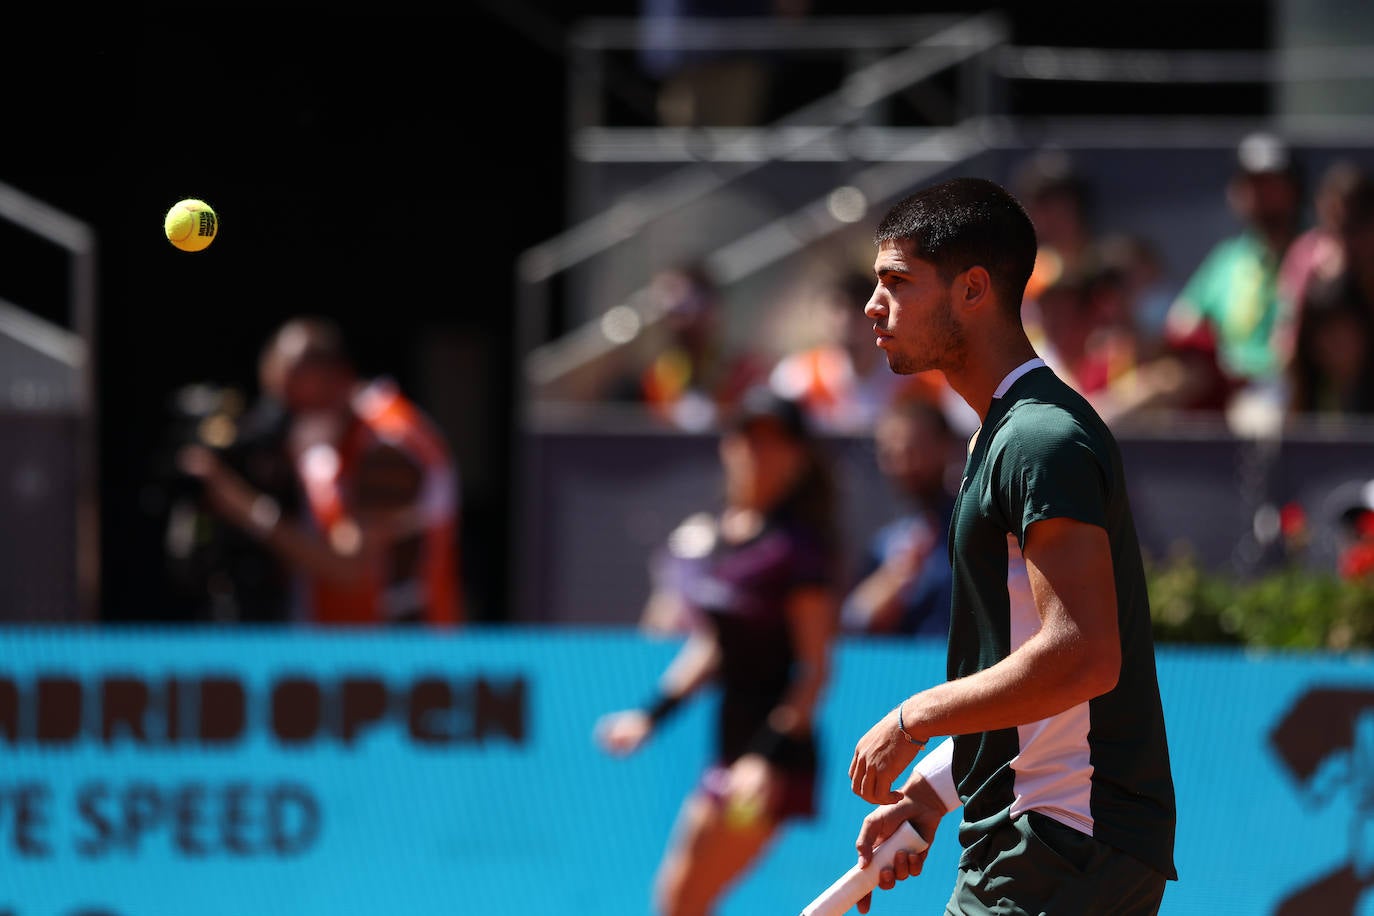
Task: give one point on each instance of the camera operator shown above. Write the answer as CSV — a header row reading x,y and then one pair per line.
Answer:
x,y
376,541
219,572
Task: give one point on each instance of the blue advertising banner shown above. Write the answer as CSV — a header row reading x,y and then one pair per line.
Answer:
x,y
292,773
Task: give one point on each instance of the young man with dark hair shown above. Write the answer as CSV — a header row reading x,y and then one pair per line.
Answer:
x,y
1058,753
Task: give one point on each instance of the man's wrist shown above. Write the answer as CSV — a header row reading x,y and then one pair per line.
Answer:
x,y
920,743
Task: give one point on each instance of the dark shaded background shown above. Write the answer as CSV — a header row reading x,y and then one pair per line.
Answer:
x,y
383,166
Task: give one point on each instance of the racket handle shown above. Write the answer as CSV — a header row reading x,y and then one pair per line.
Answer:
x,y
839,897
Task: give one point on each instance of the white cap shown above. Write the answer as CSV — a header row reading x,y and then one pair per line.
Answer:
x,y
1263,152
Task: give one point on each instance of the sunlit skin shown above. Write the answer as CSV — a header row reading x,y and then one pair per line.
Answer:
x,y
959,326
913,315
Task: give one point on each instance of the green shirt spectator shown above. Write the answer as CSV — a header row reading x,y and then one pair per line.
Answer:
x,y
1234,296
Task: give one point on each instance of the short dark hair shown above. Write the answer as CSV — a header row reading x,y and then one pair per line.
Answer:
x,y
967,222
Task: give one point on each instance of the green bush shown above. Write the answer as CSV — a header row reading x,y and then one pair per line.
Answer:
x,y
1289,608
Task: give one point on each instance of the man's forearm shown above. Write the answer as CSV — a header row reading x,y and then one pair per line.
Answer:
x,y
1043,678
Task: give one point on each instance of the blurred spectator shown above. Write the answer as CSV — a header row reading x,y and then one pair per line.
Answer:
x,y
1116,344
1083,330
689,375
1317,251
1137,260
1079,308
1061,324
843,381
1229,323
701,86
755,582
377,540
1332,371
1088,330
905,580
1058,201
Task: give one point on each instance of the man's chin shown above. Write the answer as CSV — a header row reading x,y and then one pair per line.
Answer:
x,y
900,365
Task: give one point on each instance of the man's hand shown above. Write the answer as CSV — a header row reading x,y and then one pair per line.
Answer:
x,y
922,807
879,758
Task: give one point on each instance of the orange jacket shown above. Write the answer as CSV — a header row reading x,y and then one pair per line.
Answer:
x,y
408,579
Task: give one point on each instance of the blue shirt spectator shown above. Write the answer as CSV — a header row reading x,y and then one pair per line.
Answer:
x,y
905,581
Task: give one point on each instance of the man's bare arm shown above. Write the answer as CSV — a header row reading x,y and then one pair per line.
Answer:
x,y
1074,657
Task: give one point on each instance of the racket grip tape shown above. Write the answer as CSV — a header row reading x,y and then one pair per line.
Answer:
x,y
847,890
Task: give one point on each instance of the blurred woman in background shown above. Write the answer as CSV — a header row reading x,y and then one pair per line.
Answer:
x,y
757,583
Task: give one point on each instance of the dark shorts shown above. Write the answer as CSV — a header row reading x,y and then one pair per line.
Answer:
x,y
1035,865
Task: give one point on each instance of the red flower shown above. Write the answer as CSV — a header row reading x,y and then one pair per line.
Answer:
x,y
1292,520
1357,560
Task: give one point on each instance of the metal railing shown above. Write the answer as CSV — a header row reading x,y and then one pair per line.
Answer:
x,y
839,127
73,348
722,157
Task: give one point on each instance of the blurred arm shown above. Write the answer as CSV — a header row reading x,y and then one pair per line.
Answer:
x,y
352,549
811,616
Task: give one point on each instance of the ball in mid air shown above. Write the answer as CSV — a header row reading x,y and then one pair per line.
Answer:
x,y
191,224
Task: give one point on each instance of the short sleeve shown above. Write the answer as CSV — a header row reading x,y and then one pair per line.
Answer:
x,y
1049,466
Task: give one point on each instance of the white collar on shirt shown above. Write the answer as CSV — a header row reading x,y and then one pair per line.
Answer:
x,y
1015,374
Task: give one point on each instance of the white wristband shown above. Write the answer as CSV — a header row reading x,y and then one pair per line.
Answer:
x,y
937,768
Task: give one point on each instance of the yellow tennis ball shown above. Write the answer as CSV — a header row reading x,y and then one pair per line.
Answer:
x,y
741,814
191,224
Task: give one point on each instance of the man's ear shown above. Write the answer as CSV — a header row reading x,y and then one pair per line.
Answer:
x,y
973,287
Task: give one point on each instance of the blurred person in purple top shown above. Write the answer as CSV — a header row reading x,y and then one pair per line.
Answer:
x,y
757,581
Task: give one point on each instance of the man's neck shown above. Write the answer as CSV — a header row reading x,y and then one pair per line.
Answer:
x,y
986,366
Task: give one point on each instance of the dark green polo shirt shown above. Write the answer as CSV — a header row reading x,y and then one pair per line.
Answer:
x,y
1102,767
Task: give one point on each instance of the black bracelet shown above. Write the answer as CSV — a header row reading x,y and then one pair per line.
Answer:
x,y
662,707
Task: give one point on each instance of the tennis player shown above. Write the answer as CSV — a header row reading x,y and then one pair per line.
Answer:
x,y
757,579
1058,755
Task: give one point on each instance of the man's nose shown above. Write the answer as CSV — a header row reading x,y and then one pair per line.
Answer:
x,y
875,309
